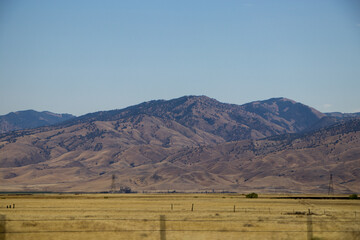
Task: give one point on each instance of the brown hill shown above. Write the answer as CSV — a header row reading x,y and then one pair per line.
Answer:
x,y
30,119
182,144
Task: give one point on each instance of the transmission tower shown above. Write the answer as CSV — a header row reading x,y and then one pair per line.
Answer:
x,y
113,184
331,186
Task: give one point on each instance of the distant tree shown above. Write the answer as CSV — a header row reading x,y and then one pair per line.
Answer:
x,y
251,195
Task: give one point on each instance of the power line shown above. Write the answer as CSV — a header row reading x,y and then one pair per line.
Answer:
x,y
331,185
173,220
113,184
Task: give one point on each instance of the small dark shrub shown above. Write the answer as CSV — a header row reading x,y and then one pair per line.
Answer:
x,y
248,225
251,195
353,196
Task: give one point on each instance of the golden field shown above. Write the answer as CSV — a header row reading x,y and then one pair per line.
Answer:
x,y
176,216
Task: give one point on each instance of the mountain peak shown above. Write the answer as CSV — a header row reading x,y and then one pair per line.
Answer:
x,y
193,99
272,100
285,111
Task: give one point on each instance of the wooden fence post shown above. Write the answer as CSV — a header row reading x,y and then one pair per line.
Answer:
x,y
2,227
309,227
162,227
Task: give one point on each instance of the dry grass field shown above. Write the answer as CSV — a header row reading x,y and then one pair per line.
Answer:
x,y
175,216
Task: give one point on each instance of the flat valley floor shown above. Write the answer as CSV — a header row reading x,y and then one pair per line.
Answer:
x,y
176,216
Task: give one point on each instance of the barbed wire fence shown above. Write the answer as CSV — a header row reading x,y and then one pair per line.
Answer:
x,y
309,221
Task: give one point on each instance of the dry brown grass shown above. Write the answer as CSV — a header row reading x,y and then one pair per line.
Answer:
x,y
137,216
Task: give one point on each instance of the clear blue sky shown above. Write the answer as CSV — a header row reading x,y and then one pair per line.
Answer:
x,y
80,56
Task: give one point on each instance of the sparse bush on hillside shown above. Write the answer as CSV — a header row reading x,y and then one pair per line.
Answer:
x,y
251,195
353,196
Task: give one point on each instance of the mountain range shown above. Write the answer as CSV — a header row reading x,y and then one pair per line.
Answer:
x,y
192,143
